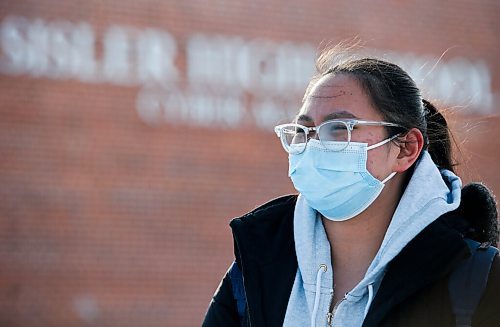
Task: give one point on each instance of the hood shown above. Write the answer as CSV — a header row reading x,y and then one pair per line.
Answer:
x,y
429,194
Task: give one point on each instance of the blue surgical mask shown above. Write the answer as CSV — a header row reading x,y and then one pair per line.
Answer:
x,y
336,183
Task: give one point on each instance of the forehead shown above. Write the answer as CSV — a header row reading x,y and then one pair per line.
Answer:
x,y
339,96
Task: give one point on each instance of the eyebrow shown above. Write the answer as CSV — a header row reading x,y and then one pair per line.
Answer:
x,y
333,115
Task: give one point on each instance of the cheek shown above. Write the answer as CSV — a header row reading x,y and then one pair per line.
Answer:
x,y
373,163
378,163
365,136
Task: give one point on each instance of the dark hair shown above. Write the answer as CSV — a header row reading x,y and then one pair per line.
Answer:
x,y
396,96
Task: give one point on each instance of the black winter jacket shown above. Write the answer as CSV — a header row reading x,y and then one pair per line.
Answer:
x,y
265,252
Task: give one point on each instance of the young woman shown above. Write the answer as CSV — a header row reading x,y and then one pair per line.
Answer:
x,y
378,226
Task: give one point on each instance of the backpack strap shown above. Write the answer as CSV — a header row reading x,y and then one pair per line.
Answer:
x,y
238,292
468,281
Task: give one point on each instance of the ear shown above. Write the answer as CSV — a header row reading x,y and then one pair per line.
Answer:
x,y
410,146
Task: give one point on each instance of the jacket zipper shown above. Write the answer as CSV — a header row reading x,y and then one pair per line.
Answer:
x,y
332,309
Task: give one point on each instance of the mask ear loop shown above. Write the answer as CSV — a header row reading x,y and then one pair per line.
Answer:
x,y
376,145
391,175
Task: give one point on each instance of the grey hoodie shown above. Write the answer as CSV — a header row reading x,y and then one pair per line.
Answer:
x,y
426,198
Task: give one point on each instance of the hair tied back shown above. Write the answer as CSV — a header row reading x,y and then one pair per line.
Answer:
x,y
433,116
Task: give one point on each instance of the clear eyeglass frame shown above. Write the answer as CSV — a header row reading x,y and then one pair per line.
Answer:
x,y
283,131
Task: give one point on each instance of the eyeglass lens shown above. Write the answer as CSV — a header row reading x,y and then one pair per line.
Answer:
x,y
295,138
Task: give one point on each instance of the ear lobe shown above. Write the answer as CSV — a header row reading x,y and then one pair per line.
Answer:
x,y
410,146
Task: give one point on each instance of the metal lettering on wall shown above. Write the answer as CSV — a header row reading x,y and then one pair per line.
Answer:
x,y
226,82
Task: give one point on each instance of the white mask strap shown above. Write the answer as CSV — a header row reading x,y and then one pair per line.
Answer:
x,y
376,145
388,177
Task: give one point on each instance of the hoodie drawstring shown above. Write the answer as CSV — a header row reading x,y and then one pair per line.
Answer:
x,y
370,298
322,269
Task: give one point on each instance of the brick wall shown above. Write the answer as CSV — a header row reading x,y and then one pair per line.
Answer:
x,y
110,219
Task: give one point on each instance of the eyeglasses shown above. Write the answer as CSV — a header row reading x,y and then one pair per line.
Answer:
x,y
334,135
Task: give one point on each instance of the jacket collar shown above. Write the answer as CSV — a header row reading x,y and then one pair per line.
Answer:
x,y
264,249
430,256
